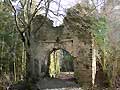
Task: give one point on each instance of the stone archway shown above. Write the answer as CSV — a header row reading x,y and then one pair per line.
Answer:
x,y
80,46
50,46
60,64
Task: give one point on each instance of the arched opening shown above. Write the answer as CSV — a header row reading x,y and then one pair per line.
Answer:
x,y
61,64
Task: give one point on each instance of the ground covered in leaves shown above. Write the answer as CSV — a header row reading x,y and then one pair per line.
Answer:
x,y
48,84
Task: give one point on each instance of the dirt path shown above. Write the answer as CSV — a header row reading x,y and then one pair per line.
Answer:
x,y
48,84
57,84
65,89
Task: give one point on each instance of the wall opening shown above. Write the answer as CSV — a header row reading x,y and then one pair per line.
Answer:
x,y
61,64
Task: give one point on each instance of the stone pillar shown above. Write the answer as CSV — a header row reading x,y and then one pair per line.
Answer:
x,y
83,64
93,62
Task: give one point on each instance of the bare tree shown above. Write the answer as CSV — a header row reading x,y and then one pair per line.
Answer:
x,y
24,14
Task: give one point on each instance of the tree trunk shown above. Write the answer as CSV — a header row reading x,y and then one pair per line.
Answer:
x,y
28,65
27,45
2,54
23,62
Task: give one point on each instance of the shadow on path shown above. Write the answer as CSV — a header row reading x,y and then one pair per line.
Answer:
x,y
52,83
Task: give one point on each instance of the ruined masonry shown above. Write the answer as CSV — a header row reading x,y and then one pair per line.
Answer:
x,y
47,38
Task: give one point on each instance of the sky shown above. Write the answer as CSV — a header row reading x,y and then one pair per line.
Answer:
x,y
64,5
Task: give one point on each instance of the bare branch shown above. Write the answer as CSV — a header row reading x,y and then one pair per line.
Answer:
x,y
46,13
35,11
93,4
58,14
58,3
94,9
22,22
15,17
54,17
15,12
23,5
28,9
58,6
31,4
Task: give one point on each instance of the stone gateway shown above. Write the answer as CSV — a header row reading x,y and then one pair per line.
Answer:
x,y
47,38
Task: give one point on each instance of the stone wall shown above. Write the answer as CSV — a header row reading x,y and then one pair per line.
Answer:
x,y
48,38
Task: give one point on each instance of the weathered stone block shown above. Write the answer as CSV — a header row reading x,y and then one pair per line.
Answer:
x,y
49,38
